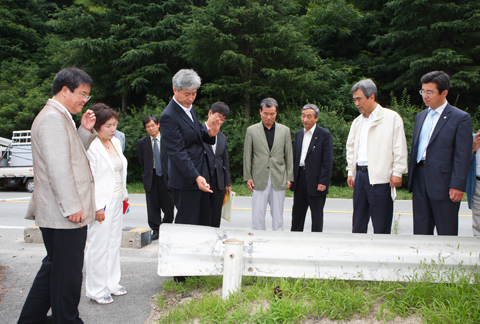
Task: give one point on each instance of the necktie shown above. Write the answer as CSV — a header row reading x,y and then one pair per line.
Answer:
x,y
425,134
156,156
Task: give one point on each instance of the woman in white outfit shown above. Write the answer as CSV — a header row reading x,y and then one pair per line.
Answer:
x,y
109,168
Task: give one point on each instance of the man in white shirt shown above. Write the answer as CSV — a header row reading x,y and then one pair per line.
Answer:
x,y
312,168
376,160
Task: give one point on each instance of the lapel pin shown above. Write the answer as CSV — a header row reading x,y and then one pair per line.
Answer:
x,y
444,117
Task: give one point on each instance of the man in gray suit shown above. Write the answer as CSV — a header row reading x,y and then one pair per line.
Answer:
x,y
121,138
63,203
268,165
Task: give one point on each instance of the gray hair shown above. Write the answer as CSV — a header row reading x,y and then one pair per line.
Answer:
x,y
269,102
312,106
186,79
367,86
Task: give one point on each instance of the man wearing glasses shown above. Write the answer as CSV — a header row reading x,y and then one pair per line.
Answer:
x,y
63,203
439,160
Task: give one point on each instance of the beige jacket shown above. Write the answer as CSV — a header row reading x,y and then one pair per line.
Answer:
x,y
259,161
63,179
387,152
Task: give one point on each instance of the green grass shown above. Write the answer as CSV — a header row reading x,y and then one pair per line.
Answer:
x,y
312,299
241,189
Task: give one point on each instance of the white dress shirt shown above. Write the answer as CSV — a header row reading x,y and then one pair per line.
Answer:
x,y
362,158
307,138
68,113
186,110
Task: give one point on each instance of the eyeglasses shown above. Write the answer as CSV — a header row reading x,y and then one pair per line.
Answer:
x,y
84,97
220,116
428,92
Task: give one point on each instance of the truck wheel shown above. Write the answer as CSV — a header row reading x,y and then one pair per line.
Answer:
x,y
29,185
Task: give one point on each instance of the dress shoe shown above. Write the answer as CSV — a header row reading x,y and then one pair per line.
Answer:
x,y
154,236
106,299
179,279
122,291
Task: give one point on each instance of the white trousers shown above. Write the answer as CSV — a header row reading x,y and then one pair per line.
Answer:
x,y
102,260
275,199
476,210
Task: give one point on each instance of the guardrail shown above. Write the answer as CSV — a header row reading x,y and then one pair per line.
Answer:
x,y
187,250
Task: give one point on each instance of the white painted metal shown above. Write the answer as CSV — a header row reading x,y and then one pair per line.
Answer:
x,y
233,265
198,250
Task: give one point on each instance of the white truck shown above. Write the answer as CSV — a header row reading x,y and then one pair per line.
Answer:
x,y
16,163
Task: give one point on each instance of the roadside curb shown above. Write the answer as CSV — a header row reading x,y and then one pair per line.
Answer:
x,y
132,237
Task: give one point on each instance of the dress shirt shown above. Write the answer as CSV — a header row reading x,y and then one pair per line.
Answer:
x,y
436,117
214,146
270,134
362,158
153,149
68,113
307,138
186,110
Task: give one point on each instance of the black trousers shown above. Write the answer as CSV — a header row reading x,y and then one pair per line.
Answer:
x,y
371,201
159,198
301,201
193,207
216,201
428,213
58,283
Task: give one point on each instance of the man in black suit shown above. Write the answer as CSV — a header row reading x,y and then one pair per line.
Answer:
x,y
439,159
184,136
312,168
154,160
217,155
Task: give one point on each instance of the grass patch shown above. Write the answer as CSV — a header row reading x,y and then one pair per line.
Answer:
x,y
305,300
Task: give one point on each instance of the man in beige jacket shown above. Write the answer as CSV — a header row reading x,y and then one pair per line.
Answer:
x,y
268,165
376,160
63,203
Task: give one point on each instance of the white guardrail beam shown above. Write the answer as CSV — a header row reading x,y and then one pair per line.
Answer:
x,y
187,250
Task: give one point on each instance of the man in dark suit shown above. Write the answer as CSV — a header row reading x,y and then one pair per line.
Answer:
x,y
63,203
184,136
217,155
439,159
312,168
154,161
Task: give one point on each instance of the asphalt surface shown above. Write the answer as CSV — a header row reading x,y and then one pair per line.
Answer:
x,y
139,266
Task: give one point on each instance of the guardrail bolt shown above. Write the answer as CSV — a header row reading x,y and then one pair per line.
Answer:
x,y
232,256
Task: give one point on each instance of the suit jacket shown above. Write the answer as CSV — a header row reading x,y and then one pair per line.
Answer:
x,y
218,161
145,157
318,162
259,161
448,153
183,139
63,180
121,138
104,173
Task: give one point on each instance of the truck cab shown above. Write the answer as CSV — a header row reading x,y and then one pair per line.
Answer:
x,y
16,163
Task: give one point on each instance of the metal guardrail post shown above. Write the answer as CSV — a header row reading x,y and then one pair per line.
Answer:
x,y
232,267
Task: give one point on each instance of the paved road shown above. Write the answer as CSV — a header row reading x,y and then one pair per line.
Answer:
x,y
139,266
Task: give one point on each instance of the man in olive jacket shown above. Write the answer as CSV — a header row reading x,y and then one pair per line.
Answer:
x,y
268,165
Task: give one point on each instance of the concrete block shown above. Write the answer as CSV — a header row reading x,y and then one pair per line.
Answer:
x,y
32,234
136,237
132,237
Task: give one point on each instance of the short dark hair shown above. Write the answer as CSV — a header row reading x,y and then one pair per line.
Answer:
x,y
70,77
148,118
269,102
440,78
103,113
221,108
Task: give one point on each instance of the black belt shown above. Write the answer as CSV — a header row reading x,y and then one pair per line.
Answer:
x,y
478,178
422,163
362,168
302,168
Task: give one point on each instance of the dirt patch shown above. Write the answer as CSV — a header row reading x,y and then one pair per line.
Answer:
x,y
173,300
3,289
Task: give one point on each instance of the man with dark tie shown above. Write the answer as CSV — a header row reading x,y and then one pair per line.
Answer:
x,y
183,137
439,159
312,168
217,155
376,160
153,159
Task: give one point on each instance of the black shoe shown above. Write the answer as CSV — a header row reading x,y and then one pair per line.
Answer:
x,y
154,235
179,279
